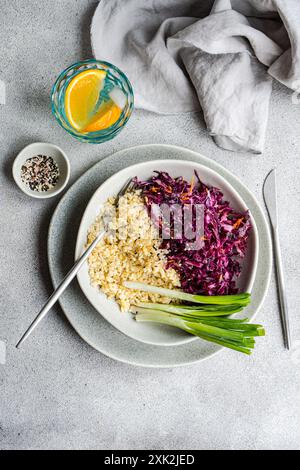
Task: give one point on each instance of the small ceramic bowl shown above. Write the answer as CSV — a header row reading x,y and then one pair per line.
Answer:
x,y
49,150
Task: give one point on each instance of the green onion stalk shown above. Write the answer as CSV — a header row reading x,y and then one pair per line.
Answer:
x,y
204,316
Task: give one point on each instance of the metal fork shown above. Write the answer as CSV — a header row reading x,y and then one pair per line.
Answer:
x,y
71,274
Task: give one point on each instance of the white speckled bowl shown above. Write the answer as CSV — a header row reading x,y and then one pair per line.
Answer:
x,y
40,148
84,318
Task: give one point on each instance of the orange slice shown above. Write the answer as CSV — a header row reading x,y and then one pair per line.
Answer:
x,y
81,97
108,115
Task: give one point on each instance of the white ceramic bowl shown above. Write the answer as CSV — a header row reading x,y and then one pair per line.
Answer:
x,y
155,334
50,150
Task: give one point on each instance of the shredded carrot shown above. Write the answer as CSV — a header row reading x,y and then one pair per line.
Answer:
x,y
185,196
238,222
192,184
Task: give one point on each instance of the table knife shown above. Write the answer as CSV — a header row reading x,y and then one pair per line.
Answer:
x,y
270,198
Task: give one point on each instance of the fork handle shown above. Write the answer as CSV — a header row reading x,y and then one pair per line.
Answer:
x,y
282,292
61,288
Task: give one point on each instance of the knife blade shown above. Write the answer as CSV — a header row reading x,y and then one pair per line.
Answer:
x,y
270,198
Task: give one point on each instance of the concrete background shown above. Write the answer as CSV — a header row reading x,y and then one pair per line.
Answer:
x,y
57,392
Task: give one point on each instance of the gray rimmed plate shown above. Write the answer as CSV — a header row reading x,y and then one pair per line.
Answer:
x,y
91,326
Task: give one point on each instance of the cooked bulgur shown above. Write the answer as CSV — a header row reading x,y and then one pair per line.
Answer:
x,y
130,252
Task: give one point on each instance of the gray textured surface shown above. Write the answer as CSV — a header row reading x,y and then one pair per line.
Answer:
x,y
59,393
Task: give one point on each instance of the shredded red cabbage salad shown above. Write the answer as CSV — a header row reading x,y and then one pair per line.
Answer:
x,y
214,268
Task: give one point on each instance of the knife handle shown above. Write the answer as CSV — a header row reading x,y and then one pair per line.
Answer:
x,y
282,292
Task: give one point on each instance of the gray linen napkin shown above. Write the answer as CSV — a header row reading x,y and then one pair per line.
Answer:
x,y
220,54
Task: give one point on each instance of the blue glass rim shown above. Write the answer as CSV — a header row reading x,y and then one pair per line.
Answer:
x,y
97,136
